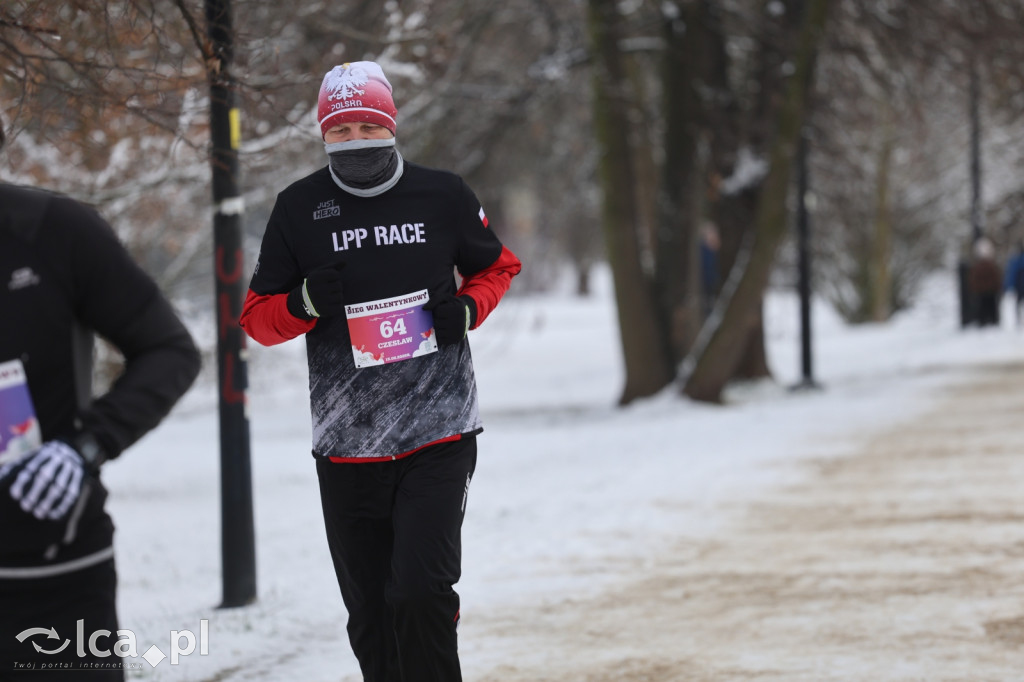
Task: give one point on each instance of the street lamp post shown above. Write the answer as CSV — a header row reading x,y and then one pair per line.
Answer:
x,y
238,546
804,266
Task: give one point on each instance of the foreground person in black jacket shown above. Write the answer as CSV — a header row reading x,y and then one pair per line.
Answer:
x,y
63,276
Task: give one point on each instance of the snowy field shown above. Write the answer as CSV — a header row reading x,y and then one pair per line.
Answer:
x,y
572,495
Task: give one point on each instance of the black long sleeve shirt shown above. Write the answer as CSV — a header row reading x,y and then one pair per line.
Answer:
x,y
406,240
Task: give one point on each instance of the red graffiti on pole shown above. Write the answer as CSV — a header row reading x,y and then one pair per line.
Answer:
x,y
223,276
228,319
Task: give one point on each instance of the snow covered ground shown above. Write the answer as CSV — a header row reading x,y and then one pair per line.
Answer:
x,y
572,494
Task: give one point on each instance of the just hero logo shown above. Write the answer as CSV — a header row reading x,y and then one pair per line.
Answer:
x,y
326,209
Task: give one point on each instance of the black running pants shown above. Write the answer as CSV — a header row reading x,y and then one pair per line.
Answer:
x,y
394,529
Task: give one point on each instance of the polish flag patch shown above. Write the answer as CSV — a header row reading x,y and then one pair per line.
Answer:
x,y
483,218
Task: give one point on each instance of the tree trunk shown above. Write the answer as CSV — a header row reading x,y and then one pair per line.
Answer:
x,y
648,369
753,362
879,275
716,361
676,260
747,130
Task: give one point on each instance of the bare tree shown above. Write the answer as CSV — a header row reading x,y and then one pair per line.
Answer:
x,y
714,363
891,155
647,364
725,158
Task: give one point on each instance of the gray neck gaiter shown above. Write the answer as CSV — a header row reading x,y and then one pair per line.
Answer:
x,y
365,168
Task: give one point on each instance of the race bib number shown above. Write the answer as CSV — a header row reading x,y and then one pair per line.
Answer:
x,y
391,329
19,428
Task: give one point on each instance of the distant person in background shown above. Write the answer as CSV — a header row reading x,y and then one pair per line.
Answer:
x,y
63,275
985,280
1015,281
710,243
360,257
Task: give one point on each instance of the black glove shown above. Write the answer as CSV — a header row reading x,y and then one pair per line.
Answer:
x,y
453,316
319,295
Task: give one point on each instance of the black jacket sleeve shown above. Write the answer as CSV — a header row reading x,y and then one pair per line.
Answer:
x,y
114,297
161,362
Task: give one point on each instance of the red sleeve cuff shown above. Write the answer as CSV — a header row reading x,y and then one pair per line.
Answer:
x,y
266,319
489,285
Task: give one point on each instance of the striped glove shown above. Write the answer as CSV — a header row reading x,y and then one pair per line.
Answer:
x,y
47,482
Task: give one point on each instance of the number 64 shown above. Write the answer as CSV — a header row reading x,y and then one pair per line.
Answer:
x,y
387,329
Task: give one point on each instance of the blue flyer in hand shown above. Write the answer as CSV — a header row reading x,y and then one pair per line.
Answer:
x,y
19,428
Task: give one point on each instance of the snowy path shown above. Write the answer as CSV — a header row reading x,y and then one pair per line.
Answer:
x,y
864,532
904,561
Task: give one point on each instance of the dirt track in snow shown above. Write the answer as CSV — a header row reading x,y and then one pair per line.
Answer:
x,y
902,562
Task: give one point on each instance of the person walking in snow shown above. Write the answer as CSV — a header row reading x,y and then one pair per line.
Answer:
x,y
710,244
1015,281
63,275
985,280
360,256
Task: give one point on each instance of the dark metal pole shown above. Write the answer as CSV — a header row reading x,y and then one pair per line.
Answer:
x,y
804,265
238,546
977,214
968,304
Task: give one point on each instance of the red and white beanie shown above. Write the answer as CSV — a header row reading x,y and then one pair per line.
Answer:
x,y
353,92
